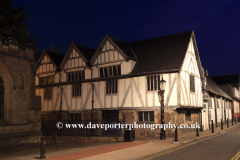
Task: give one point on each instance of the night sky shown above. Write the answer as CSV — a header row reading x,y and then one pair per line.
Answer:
x,y
216,25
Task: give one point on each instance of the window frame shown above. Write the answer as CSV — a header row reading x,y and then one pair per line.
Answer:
x,y
47,80
112,84
188,116
148,115
75,76
75,117
76,90
47,90
112,71
192,83
48,93
153,82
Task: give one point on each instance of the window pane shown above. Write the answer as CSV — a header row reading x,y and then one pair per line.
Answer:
x,y
69,77
119,69
80,75
116,85
105,72
192,83
115,70
101,72
151,116
113,86
140,116
43,80
155,82
148,83
151,83
110,71
145,116
73,76
77,90
77,76
50,79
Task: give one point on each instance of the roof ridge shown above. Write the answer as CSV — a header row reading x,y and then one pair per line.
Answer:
x,y
114,37
54,51
80,45
160,37
225,75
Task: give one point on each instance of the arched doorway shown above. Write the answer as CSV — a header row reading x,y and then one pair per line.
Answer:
x,y
6,93
1,98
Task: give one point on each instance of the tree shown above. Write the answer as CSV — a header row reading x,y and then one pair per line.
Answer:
x,y
13,27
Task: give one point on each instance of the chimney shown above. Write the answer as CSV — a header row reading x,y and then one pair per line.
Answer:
x,y
53,47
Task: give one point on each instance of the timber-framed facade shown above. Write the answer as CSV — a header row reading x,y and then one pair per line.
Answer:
x,y
123,78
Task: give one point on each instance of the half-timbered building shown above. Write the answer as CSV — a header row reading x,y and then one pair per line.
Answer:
x,y
121,79
230,84
217,104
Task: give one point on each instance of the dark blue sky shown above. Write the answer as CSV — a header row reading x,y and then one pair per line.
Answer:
x,y
216,25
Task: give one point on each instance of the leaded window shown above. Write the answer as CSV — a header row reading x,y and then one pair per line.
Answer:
x,y
47,90
192,83
76,90
147,116
153,82
110,71
111,85
75,117
75,76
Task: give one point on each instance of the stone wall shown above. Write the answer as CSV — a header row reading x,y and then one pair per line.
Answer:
x,y
22,109
20,65
131,117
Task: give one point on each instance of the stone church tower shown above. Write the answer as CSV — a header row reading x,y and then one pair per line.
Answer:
x,y
20,109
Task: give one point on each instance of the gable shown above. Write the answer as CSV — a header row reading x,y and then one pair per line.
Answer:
x,y
45,65
108,54
73,60
190,64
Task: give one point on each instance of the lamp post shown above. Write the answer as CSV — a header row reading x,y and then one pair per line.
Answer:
x,y
161,100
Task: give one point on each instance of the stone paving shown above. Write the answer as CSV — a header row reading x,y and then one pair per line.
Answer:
x,y
118,150
32,152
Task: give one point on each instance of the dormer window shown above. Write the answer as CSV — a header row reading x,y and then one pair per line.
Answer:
x,y
75,76
110,71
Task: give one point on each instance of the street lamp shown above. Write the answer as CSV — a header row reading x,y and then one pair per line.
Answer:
x,y
161,100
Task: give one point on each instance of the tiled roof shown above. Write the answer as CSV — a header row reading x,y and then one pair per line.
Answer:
x,y
226,79
124,46
229,90
215,88
161,53
87,52
56,56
